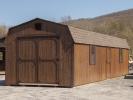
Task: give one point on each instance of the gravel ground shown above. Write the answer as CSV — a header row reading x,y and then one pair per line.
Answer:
x,y
114,89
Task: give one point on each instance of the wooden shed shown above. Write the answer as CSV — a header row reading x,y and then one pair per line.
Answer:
x,y
41,52
2,53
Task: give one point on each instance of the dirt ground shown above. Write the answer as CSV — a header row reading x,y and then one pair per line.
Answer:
x,y
113,89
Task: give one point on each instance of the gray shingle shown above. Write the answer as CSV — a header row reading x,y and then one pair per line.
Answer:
x,y
88,37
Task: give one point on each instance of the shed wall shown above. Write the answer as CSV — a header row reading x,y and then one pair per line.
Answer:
x,y
86,73
65,50
74,67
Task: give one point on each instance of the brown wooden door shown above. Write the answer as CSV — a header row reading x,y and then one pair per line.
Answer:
x,y
37,60
26,61
47,61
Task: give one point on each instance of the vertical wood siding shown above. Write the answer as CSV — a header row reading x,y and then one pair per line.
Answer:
x,y
86,73
65,51
82,70
73,59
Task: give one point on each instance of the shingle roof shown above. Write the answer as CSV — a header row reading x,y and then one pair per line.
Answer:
x,y
88,37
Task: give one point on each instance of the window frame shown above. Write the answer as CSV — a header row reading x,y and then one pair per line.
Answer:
x,y
2,61
108,56
1,55
121,55
92,55
38,26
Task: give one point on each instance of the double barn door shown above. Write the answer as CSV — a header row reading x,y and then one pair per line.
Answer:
x,y
37,60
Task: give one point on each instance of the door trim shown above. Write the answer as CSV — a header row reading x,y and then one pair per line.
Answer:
x,y
35,39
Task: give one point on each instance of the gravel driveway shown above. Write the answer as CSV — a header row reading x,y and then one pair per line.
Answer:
x,y
114,89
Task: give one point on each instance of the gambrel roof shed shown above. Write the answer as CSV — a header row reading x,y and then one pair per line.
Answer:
x,y
41,52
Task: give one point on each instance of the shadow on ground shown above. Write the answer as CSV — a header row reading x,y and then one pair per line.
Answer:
x,y
129,76
2,82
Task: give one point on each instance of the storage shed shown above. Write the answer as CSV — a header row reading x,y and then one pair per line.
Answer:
x,y
2,53
41,52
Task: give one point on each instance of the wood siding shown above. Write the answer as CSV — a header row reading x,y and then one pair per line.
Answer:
x,y
52,49
63,57
107,64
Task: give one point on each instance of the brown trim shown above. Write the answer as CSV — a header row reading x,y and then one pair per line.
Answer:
x,y
38,37
36,60
102,46
57,60
72,67
17,57
121,56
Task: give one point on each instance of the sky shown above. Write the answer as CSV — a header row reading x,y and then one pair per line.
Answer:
x,y
13,12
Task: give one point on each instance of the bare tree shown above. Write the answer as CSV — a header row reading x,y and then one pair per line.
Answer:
x,y
65,19
3,30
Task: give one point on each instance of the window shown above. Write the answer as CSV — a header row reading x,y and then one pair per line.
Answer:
x,y
38,26
121,55
1,56
92,54
108,55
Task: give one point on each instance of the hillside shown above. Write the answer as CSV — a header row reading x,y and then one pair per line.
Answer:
x,y
118,24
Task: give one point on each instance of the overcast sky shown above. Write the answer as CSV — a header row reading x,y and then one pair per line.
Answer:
x,y
13,12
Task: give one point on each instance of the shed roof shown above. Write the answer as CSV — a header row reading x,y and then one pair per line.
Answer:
x,y
89,37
